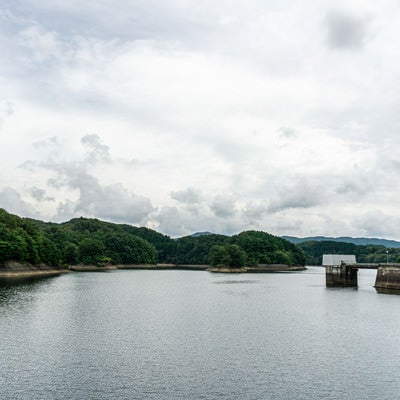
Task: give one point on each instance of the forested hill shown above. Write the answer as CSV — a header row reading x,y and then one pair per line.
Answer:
x,y
91,241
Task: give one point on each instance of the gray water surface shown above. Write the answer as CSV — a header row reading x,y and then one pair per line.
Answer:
x,y
196,335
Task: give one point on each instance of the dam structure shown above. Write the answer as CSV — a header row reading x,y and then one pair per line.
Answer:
x,y
341,270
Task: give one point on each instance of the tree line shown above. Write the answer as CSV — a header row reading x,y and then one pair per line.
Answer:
x,y
314,251
91,241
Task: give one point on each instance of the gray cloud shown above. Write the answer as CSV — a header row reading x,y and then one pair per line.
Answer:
x,y
108,201
287,133
98,152
170,221
40,194
44,143
65,210
12,201
6,109
358,188
378,223
345,31
223,206
130,20
112,202
115,203
28,165
302,194
255,212
181,221
189,195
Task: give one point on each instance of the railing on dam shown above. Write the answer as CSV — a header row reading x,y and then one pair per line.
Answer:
x,y
374,265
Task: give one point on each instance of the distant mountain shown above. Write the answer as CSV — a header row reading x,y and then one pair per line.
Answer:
x,y
345,239
197,234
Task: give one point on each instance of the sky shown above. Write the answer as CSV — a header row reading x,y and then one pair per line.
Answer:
x,y
186,116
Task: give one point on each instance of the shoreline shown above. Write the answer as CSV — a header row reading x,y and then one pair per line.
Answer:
x,y
11,271
166,267
14,271
10,276
271,268
91,268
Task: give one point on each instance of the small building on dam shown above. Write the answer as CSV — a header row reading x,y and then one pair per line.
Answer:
x,y
339,271
335,260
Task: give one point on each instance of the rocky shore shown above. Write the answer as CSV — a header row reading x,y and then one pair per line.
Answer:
x,y
92,268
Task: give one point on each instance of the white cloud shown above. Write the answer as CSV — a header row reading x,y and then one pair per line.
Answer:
x,y
201,116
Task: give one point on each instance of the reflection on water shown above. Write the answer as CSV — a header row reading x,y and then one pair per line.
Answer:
x,y
387,291
163,335
237,282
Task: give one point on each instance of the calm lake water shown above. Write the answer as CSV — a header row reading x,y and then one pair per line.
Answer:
x,y
196,335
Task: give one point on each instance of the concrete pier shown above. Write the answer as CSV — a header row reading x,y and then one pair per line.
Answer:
x,y
345,275
341,276
388,280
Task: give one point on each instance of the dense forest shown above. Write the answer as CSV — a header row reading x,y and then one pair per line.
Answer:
x,y
364,254
91,241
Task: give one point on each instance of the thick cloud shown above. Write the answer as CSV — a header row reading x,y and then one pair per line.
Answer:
x,y
111,201
301,195
12,201
223,206
352,186
345,31
190,116
140,19
255,212
376,223
189,195
99,152
182,221
40,194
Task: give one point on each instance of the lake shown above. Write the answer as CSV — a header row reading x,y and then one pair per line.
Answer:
x,y
197,335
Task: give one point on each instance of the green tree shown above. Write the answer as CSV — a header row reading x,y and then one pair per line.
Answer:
x,y
70,254
282,257
91,251
228,255
218,256
264,248
237,256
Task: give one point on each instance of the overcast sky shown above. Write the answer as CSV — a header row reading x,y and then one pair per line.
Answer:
x,y
186,115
